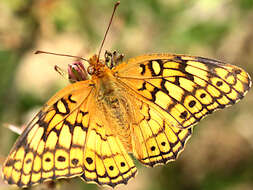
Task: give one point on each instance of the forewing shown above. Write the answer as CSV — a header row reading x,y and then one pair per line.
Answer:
x,y
52,145
184,88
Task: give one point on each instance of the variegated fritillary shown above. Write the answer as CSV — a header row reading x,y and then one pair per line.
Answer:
x,y
146,106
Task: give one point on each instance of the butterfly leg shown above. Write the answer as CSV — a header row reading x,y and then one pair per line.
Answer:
x,y
113,59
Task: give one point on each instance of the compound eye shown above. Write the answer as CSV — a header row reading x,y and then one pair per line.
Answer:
x,y
91,70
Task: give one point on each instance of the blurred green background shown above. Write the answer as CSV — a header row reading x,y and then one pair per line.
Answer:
x,y
220,153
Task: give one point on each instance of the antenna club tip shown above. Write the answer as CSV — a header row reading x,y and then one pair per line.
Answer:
x,y
37,52
117,3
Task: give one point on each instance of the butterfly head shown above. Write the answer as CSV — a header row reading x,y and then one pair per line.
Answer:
x,y
96,67
77,71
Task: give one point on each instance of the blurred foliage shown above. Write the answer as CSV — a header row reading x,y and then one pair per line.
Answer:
x,y
220,153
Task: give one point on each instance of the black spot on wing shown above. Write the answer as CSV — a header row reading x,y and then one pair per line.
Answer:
x,y
143,67
153,94
70,99
143,87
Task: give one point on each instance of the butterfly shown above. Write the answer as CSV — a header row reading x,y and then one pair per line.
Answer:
x,y
146,106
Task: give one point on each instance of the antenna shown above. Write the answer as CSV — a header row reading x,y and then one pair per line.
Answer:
x,y
108,27
59,54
